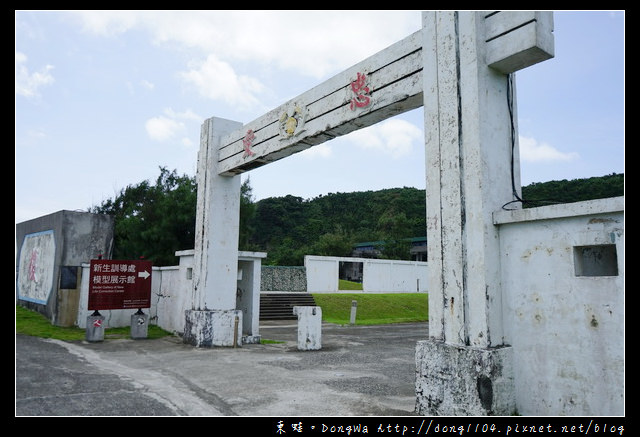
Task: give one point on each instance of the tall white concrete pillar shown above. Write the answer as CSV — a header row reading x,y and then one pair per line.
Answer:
x,y
213,319
468,128
471,150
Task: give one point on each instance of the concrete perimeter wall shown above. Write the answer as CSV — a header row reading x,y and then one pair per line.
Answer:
x,y
283,278
379,275
49,252
171,286
563,284
171,289
170,297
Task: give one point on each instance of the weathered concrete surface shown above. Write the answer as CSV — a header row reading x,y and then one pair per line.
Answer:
x,y
470,136
95,328
567,329
309,327
360,371
139,325
215,265
56,378
213,328
454,380
50,250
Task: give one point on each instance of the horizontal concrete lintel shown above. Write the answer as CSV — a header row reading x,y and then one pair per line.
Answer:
x,y
394,76
390,101
550,212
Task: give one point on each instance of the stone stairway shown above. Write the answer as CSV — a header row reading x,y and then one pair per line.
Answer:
x,y
279,306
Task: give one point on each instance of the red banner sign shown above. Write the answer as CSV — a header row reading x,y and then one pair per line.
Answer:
x,y
119,284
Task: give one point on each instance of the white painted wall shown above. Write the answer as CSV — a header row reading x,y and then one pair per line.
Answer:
x,y
170,295
322,273
378,275
171,292
393,276
567,331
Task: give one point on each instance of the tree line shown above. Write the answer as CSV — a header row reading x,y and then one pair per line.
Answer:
x,y
156,220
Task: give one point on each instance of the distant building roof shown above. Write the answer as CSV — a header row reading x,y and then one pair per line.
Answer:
x,y
415,241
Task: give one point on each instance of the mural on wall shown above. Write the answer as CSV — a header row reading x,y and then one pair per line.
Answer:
x,y
35,275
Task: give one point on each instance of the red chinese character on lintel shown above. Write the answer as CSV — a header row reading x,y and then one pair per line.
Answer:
x,y
361,92
247,141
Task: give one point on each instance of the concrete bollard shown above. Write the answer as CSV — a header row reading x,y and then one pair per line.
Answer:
x,y
309,327
354,309
139,325
95,327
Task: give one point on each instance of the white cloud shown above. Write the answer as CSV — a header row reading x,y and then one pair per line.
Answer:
x,y
217,80
393,137
143,83
146,84
170,125
107,23
188,115
533,151
27,83
304,41
163,128
312,43
320,151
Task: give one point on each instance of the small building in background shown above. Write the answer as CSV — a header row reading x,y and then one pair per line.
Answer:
x,y
373,249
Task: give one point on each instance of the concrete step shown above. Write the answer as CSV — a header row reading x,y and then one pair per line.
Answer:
x,y
279,306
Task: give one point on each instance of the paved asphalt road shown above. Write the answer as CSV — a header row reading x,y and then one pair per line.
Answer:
x,y
360,371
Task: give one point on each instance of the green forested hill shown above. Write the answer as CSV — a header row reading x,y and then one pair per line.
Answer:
x,y
290,227
575,190
155,220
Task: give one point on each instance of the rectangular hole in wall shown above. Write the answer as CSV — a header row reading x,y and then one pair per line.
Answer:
x,y
350,271
599,260
189,273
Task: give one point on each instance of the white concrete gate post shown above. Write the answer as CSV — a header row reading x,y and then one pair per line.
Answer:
x,y
471,150
213,319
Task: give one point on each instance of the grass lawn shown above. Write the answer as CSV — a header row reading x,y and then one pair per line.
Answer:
x,y
33,323
374,309
343,284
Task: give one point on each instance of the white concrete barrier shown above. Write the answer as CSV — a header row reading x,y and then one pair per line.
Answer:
x,y
309,327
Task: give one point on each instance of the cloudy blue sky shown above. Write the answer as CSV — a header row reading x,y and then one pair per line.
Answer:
x,y
105,98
